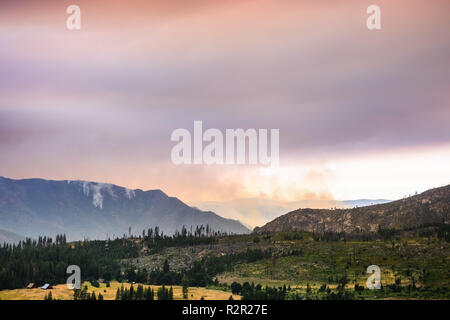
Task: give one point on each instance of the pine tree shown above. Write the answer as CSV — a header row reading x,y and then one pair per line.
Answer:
x,y
132,296
166,267
49,296
122,297
170,297
149,294
185,284
140,292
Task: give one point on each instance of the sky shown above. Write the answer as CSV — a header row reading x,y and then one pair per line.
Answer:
x,y
361,113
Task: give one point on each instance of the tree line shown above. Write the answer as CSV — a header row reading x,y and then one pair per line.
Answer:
x,y
45,261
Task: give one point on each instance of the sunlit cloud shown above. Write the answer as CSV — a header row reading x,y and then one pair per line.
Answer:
x,y
361,114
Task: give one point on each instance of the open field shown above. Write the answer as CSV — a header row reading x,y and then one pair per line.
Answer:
x,y
62,292
317,262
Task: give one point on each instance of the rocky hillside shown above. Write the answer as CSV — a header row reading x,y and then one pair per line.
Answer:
x,y
80,209
432,206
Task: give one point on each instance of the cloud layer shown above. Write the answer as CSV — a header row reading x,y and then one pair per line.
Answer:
x,y
101,103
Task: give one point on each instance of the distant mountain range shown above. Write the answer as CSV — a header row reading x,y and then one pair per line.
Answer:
x,y
83,209
9,237
361,203
432,206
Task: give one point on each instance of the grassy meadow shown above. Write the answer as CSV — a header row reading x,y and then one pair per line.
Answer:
x,y
109,293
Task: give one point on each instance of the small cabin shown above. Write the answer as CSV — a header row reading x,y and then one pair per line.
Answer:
x,y
46,286
31,285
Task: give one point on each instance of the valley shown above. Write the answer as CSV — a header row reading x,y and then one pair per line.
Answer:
x,y
408,240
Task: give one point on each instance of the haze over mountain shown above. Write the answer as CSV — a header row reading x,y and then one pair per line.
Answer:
x,y
258,211
9,237
432,206
33,207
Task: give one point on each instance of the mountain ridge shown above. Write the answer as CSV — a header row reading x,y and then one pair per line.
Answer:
x,y
87,209
431,206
